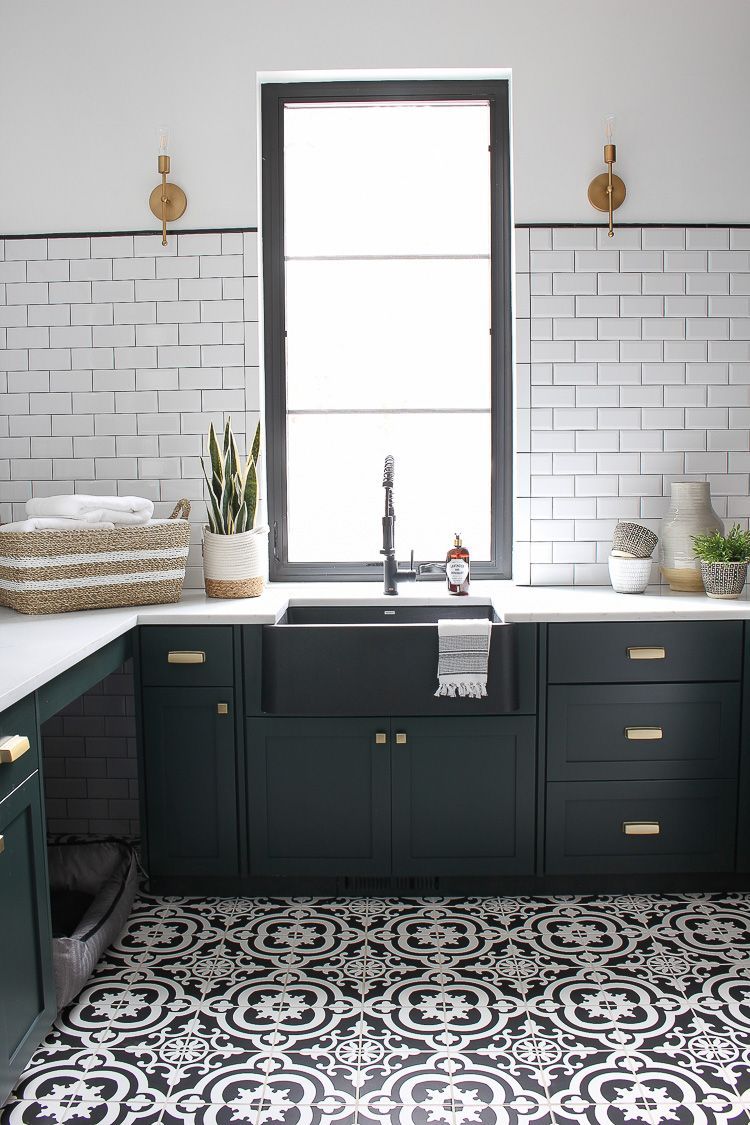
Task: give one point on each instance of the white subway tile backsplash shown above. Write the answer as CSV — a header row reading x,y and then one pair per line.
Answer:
x,y
634,370
25,249
618,283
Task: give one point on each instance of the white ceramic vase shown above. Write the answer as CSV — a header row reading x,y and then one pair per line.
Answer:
x,y
690,513
234,566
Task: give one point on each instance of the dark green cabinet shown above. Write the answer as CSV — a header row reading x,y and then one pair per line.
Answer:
x,y
463,796
26,980
318,795
379,796
191,787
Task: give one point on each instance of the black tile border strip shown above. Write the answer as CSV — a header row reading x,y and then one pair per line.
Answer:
x,y
129,233
633,226
254,230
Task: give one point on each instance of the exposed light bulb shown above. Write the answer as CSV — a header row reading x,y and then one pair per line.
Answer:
x,y
163,140
609,129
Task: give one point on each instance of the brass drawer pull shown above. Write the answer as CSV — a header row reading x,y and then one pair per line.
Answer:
x,y
2,844
646,652
644,734
400,738
641,827
186,658
381,738
13,748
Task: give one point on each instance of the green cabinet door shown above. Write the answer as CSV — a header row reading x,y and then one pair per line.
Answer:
x,y
463,796
27,991
190,782
318,796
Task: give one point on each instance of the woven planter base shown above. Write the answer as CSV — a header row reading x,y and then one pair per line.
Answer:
x,y
244,588
724,581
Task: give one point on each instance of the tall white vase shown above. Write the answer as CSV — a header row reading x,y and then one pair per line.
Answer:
x,y
690,513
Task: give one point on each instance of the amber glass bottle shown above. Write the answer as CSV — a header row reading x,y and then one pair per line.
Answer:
x,y
457,568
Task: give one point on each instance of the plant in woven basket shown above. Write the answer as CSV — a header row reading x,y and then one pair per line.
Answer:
x,y
232,486
734,547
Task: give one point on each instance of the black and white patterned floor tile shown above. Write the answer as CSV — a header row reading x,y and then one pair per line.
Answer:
x,y
479,1011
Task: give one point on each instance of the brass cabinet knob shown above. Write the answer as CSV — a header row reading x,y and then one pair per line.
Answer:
x,y
641,827
381,738
222,708
13,747
186,658
643,734
2,844
647,652
400,738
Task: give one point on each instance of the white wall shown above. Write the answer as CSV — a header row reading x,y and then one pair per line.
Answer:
x,y
85,83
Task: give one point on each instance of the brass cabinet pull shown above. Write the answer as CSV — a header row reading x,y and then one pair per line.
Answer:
x,y
646,652
381,738
13,748
400,738
641,827
643,734
186,658
222,708
2,844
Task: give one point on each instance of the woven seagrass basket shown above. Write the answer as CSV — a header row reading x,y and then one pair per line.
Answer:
x,y
60,571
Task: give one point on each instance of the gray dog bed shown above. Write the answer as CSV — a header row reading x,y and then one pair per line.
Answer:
x,y
92,886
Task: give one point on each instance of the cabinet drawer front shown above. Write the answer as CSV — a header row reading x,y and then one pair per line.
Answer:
x,y
18,720
640,826
186,655
603,731
645,651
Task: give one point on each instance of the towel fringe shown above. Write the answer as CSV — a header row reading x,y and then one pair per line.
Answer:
x,y
465,690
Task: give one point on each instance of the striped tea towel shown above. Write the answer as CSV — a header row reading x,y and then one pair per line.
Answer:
x,y
463,652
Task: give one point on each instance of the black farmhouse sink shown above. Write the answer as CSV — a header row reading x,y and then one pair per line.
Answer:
x,y
341,660
384,614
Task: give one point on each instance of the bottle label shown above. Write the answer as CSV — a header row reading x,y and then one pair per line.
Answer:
x,y
457,571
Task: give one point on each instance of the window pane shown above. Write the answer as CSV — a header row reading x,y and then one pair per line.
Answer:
x,y
384,179
335,496
388,334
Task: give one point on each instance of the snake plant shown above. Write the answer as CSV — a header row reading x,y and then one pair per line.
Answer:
x,y
232,487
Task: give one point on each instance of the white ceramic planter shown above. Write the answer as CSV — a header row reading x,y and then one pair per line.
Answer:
x,y
690,513
234,566
629,576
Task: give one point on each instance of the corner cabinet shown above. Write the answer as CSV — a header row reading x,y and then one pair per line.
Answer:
x,y
26,979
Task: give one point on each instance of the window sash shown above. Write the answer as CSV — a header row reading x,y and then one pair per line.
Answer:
x,y
274,97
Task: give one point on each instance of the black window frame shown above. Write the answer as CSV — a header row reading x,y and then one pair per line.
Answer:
x,y
274,96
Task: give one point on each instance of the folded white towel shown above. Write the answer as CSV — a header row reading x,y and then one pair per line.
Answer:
x,y
50,523
93,509
463,654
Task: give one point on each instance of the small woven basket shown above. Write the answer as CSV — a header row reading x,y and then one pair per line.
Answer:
x,y
60,571
634,539
724,580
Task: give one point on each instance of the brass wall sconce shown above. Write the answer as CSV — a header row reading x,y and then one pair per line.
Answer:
x,y
607,191
167,201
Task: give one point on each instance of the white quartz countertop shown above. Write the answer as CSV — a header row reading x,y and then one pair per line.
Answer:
x,y
33,650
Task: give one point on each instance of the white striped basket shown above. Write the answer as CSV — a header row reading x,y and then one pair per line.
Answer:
x,y
60,571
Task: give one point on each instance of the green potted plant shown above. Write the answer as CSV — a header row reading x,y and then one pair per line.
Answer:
x,y
723,560
234,549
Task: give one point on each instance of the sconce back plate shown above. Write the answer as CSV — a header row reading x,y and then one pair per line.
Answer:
x,y
176,202
598,192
